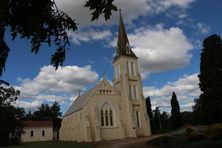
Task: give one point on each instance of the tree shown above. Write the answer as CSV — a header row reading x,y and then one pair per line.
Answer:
x,y
46,112
8,113
41,22
156,119
210,101
175,112
149,110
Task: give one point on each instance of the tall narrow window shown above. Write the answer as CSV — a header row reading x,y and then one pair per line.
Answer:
x,y
137,118
134,92
127,64
102,118
111,117
133,68
43,133
130,92
32,134
118,69
106,117
117,74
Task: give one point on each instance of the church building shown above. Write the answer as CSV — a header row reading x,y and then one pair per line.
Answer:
x,y
110,111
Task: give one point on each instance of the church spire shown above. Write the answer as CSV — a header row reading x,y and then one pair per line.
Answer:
x,y
123,46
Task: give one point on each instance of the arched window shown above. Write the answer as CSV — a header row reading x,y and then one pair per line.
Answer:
x,y
32,134
106,115
127,48
102,118
43,133
107,119
111,117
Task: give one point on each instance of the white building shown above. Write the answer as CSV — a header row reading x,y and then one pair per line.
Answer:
x,y
110,111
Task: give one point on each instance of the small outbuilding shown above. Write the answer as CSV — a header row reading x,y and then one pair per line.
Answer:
x,y
37,131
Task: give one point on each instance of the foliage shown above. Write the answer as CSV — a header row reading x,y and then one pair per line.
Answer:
x,y
186,117
161,140
53,144
196,136
156,119
214,131
210,101
149,110
41,22
9,115
46,112
175,112
101,7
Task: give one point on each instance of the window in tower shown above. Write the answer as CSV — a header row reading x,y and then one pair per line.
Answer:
x,y
118,70
129,69
135,92
133,69
127,48
137,119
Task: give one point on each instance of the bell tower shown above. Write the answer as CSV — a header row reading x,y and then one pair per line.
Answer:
x,y
127,81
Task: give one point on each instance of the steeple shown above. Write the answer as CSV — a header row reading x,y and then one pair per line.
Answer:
x,y
123,46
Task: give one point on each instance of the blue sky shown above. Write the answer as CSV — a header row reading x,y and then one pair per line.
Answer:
x,y
166,35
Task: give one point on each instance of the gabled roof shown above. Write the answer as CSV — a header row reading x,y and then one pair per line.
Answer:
x,y
31,123
82,99
123,46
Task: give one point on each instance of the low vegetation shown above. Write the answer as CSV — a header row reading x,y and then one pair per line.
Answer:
x,y
191,137
52,144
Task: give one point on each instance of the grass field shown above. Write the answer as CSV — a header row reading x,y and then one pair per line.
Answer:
x,y
52,144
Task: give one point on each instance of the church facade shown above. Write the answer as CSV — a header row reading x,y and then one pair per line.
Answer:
x,y
110,111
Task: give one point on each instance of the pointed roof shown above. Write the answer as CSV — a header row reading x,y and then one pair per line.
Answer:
x,y
80,101
123,46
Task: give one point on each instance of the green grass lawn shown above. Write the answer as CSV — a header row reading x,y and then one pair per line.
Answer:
x,y
52,144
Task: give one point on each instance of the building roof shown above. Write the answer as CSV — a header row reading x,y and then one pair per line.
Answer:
x,y
31,123
78,103
123,46
80,100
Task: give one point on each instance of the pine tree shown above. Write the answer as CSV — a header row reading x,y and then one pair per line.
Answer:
x,y
175,112
149,110
211,79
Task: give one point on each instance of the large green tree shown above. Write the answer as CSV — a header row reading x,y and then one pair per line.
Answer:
x,y
8,113
149,110
46,112
40,21
210,101
175,112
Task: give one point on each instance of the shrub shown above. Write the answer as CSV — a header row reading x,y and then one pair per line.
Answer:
x,y
214,131
159,140
196,136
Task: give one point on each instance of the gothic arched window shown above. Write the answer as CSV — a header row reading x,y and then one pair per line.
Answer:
x,y
106,115
102,118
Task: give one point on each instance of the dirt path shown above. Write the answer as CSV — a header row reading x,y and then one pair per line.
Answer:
x,y
125,143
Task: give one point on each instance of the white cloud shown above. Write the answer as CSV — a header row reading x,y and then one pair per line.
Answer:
x,y
203,28
50,85
160,49
186,89
89,35
131,9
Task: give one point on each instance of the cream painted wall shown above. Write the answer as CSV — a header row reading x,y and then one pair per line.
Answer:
x,y
37,134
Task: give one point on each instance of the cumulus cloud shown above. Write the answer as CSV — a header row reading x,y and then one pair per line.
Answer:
x,y
89,35
133,9
186,88
50,85
160,49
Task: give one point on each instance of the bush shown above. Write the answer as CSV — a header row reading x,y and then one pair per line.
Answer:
x,y
196,136
159,140
189,130
214,131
